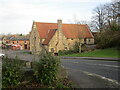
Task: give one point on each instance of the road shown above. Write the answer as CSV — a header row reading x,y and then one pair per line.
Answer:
x,y
85,73
92,73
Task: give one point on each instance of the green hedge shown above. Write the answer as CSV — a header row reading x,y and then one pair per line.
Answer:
x,y
11,72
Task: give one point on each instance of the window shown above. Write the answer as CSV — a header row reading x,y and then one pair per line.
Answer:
x,y
6,41
85,40
88,40
65,48
52,49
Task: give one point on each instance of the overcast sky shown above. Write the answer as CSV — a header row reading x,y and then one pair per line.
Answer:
x,y
17,16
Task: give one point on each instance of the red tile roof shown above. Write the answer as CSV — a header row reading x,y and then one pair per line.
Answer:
x,y
76,31
49,36
69,30
44,27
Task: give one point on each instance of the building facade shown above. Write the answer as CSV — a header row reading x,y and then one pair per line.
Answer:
x,y
23,41
14,40
58,36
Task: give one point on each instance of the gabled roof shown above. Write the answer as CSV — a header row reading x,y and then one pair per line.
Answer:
x,y
76,31
49,36
19,38
43,28
69,30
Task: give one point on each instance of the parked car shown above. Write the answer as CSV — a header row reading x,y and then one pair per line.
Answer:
x,y
2,55
15,47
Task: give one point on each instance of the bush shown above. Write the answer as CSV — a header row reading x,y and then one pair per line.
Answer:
x,y
84,48
11,72
66,52
73,50
108,39
45,70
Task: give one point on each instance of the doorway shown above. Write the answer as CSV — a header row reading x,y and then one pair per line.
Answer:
x,y
25,46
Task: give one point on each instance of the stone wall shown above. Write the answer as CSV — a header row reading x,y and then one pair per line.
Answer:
x,y
35,41
58,41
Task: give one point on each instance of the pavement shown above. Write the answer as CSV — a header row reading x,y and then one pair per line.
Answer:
x,y
22,55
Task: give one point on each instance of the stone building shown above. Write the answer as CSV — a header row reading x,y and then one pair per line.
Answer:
x,y
58,36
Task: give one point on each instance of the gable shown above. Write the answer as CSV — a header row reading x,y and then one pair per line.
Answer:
x,y
49,36
43,28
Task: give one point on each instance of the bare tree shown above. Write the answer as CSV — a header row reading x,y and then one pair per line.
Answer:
x,y
106,15
99,17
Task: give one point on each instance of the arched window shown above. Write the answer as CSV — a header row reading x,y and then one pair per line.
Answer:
x,y
66,48
52,49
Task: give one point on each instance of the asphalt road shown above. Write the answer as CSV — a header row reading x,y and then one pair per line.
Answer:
x,y
85,73
92,73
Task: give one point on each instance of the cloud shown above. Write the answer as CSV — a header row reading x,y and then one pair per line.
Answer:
x,y
16,16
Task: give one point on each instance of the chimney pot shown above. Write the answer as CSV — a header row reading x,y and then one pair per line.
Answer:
x,y
59,21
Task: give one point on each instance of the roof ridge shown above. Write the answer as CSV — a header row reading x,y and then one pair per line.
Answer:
x,y
62,23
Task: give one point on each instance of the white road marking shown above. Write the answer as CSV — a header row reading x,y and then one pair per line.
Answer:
x,y
105,78
104,65
99,76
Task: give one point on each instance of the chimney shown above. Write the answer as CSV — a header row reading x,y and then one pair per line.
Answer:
x,y
59,21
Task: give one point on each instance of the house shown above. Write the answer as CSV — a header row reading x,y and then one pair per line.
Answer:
x,y
6,39
58,36
22,41
16,41
0,42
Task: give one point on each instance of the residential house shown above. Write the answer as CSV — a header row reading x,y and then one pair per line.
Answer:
x,y
23,41
0,42
6,39
58,36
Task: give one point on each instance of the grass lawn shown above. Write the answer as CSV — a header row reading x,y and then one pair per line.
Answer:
x,y
109,52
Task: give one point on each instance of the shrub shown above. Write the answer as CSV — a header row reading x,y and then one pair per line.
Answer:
x,y
84,48
73,50
45,70
11,72
66,52
108,39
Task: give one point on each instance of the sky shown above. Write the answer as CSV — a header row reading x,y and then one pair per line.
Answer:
x,y
17,16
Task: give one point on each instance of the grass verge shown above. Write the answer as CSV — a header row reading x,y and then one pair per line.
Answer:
x,y
109,52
